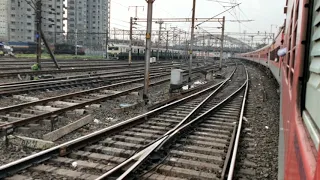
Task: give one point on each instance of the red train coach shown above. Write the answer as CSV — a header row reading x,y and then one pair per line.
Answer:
x,y
298,73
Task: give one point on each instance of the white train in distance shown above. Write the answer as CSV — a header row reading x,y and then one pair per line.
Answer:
x,y
121,52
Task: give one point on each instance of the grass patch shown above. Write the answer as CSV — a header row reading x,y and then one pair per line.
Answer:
x,y
58,56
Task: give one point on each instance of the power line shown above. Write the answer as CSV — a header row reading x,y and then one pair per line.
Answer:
x,y
218,14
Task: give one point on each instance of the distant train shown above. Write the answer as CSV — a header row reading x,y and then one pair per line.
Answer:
x,y
23,47
68,49
121,52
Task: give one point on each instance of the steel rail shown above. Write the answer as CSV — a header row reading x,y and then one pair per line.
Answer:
x,y
5,109
201,104
65,148
7,128
142,155
237,138
29,72
105,75
73,82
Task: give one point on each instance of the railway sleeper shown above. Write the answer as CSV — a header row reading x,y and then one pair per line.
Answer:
x,y
139,134
213,131
96,157
156,176
185,173
211,135
51,171
192,164
165,120
143,130
159,123
202,143
129,139
86,165
202,150
110,151
210,139
121,145
198,156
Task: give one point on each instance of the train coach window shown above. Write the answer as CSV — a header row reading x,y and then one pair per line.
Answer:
x,y
274,54
113,48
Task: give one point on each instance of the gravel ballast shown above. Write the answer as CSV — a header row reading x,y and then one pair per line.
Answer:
x,y
261,126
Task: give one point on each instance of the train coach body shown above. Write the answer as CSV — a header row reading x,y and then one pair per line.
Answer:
x,y
121,52
298,73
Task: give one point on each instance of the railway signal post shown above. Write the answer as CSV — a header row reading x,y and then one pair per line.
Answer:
x,y
148,50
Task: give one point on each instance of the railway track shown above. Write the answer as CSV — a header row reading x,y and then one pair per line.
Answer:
x,y
90,156
84,69
94,80
200,148
32,115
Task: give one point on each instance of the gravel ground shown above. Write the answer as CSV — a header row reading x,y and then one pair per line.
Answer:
x,y
13,152
262,113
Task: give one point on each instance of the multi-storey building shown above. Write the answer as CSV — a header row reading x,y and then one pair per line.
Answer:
x,y
20,19
88,18
77,20
4,20
17,20
52,22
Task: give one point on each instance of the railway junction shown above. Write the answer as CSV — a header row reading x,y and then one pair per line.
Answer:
x,y
170,98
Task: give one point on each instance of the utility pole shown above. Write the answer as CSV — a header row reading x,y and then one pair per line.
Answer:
x,y
108,27
203,49
55,27
191,41
76,27
271,32
130,43
148,50
167,44
136,8
252,41
222,41
39,18
159,39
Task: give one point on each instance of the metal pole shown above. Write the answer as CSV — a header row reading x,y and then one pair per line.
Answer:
x,y
39,5
222,41
55,28
148,50
107,28
159,40
76,28
130,44
123,36
192,39
55,20
167,43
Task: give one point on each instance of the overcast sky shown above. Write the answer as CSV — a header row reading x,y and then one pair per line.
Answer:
x,y
263,12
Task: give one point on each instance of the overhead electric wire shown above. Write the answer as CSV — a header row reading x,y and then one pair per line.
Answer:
x,y
218,14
